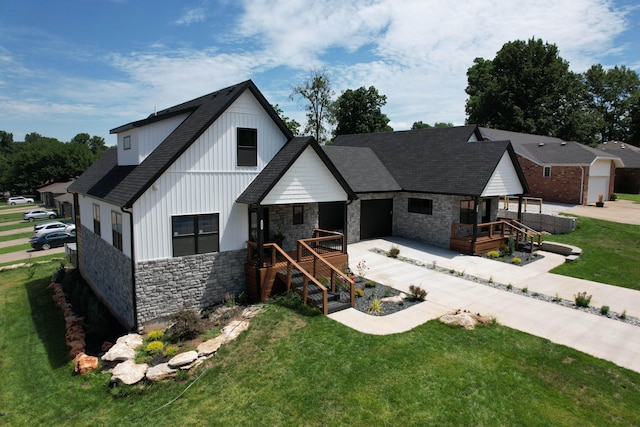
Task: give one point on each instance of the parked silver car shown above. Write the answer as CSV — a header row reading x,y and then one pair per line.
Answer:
x,y
49,227
34,214
19,200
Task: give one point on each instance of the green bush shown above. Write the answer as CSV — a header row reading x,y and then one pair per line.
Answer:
x,y
417,292
604,310
375,307
155,335
186,325
171,350
358,292
370,284
582,299
516,260
493,254
154,347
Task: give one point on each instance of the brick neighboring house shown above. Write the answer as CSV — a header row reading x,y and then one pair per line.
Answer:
x,y
55,196
561,171
627,177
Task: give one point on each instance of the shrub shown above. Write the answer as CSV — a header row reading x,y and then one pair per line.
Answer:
x,y
229,300
623,315
490,279
186,325
154,347
375,307
509,286
417,293
582,299
362,268
171,350
525,290
604,310
393,252
324,281
557,298
613,197
370,284
460,273
493,254
516,260
358,292
155,335
511,245
243,298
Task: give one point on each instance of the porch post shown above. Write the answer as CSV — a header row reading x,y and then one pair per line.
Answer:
x,y
345,222
519,207
474,235
260,249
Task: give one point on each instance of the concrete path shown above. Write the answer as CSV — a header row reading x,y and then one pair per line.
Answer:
x,y
15,242
596,335
624,211
23,256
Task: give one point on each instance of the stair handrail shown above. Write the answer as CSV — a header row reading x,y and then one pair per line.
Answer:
x,y
306,277
333,270
528,231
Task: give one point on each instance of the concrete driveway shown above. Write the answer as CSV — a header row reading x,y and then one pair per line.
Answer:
x,y
596,335
624,211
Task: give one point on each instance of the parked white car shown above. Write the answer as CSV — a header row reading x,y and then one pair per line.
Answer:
x,y
49,227
19,200
38,214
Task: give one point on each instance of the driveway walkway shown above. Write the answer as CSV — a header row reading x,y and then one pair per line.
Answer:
x,y
598,336
624,211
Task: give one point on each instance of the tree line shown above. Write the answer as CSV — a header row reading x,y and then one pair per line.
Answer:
x,y
37,161
528,87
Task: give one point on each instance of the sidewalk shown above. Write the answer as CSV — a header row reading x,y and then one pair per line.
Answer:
x,y
596,335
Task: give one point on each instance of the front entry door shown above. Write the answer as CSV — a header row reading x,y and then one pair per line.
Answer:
x,y
376,218
331,216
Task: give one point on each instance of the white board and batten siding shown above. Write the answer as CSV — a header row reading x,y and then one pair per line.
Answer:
x,y
504,179
86,218
307,181
205,179
599,178
145,139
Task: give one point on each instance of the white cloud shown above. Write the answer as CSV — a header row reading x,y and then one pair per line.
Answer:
x,y
196,14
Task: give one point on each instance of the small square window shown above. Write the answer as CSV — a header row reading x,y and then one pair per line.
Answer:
x,y
126,142
547,171
298,214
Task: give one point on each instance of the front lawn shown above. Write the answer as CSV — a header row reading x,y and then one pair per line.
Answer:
x,y
292,370
610,252
632,197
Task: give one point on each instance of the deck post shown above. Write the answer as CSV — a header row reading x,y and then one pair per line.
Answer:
x,y
259,259
474,233
519,207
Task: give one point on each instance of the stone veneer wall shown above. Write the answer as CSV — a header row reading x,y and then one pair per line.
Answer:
x,y
108,272
542,222
434,229
167,285
281,220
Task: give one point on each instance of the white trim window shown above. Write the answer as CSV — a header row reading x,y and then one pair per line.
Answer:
x,y
126,142
195,234
116,229
546,171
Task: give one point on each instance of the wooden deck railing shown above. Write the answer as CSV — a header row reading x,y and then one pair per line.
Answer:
x,y
497,230
533,201
279,256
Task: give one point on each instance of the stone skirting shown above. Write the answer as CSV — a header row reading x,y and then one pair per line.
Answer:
x,y
542,222
108,272
166,286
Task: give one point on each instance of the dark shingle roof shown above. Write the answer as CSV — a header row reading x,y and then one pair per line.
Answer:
x,y
278,166
629,154
439,160
122,185
547,150
362,169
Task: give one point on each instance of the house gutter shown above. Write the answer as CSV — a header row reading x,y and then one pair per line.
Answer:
x,y
133,275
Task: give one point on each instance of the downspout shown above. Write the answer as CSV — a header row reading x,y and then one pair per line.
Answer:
x,y
581,184
133,264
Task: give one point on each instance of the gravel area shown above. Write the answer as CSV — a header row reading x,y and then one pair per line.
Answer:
x,y
622,317
380,291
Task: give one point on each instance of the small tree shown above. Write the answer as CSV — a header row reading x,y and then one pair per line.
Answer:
x,y
316,93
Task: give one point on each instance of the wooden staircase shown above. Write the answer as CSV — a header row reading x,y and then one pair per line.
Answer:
x,y
336,301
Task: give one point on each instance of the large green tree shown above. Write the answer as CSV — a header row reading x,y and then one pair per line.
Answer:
x,y
315,93
359,111
421,125
291,124
528,88
611,99
95,143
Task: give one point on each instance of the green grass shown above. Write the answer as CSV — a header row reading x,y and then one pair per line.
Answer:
x,y
14,216
10,227
610,252
16,236
632,197
292,370
56,257
16,248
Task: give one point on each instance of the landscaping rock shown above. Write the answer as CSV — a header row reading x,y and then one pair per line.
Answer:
x,y
83,364
129,372
465,319
132,340
120,352
251,312
183,359
234,328
160,372
211,346
396,298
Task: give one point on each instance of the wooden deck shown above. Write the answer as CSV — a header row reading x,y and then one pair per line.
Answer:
x,y
492,236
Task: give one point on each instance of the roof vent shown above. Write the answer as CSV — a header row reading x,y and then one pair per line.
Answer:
x,y
541,144
622,146
563,143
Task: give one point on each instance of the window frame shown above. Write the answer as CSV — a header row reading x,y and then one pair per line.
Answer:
x,y
546,172
246,154
126,142
200,239
470,211
116,230
298,217
420,206
97,226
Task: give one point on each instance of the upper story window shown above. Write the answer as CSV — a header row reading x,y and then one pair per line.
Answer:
x,y
116,229
421,206
96,219
195,234
247,147
126,142
547,171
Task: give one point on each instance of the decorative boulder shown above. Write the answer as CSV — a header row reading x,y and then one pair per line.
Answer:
x,y
209,347
83,364
120,352
398,298
234,328
251,312
160,372
129,372
132,340
465,319
183,359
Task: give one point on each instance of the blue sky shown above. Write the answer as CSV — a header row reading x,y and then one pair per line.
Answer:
x,y
71,66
